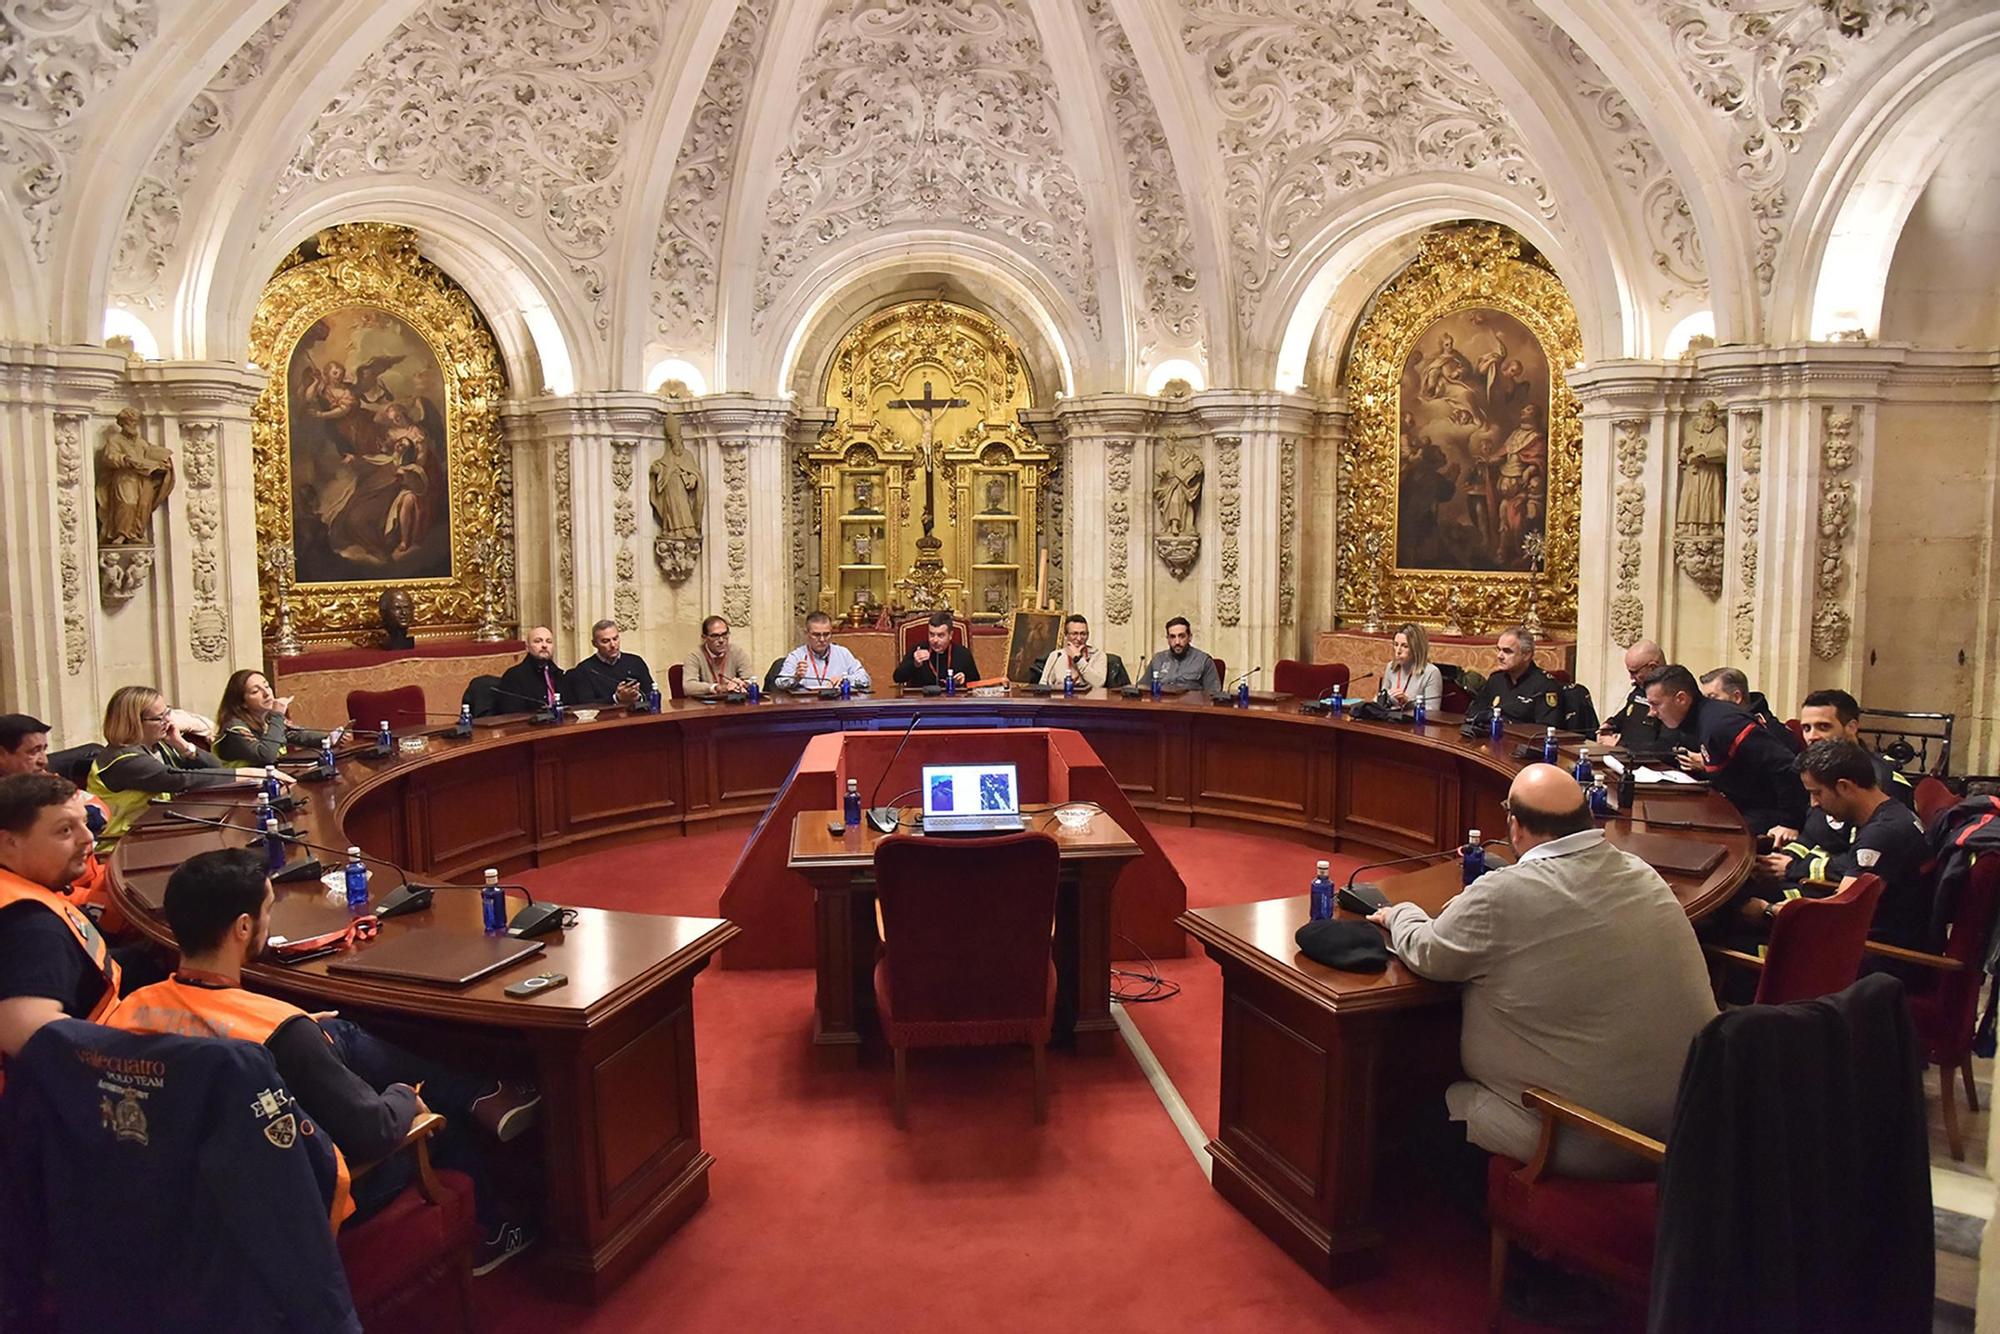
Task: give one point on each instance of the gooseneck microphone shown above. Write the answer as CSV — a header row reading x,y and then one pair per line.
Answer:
x,y
1395,861
1245,678
542,713
884,818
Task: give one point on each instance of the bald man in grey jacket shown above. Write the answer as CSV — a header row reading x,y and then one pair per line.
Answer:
x,y
1581,975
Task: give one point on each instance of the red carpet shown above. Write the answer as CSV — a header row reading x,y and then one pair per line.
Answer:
x,y
823,1213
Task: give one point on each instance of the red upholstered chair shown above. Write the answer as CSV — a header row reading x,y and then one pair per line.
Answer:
x,y
414,1256
1221,673
676,681
403,707
1946,1013
966,961
1933,797
1308,680
1815,947
1797,729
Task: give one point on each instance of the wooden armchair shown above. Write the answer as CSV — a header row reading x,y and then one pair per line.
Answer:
x,y
423,1238
1815,947
1605,1227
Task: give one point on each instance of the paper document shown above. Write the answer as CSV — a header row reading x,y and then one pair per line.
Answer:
x,y
1644,774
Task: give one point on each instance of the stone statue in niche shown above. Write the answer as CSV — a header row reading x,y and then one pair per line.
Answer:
x,y
1177,506
397,610
134,478
674,487
1698,518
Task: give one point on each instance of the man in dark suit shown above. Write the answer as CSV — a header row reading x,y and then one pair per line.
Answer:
x,y
607,676
535,679
937,658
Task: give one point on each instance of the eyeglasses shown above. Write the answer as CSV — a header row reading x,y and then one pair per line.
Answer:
x,y
719,634
154,717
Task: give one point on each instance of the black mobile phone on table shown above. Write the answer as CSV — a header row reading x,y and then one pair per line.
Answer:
x,y
529,986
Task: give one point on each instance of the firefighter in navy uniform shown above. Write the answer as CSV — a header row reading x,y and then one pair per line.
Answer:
x,y
1634,727
1738,757
1518,690
53,960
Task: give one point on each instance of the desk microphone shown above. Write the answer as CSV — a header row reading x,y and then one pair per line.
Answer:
x,y
1245,678
1352,681
1358,901
885,818
310,868
542,714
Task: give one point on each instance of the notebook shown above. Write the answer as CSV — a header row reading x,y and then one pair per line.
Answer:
x,y
1663,852
443,958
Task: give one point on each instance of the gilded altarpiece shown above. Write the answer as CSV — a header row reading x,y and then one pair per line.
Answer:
x,y
930,493
1461,495
377,442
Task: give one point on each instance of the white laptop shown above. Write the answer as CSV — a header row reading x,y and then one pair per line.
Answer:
x,y
971,799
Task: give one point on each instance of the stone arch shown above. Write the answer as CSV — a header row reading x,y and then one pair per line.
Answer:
x,y
523,296
978,274
26,314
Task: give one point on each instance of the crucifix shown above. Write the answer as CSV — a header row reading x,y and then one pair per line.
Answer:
x,y
927,408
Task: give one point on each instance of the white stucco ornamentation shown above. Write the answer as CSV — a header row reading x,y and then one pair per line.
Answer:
x,y
533,104
624,522
152,223
208,623
1229,511
1317,105
1169,305
1830,622
1749,493
938,113
736,524
69,526
56,56
1628,612
685,294
1118,527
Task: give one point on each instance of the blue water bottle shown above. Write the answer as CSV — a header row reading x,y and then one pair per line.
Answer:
x,y
464,720
1156,687
1601,802
1549,746
1322,893
1584,773
950,683
326,756
1243,694
1069,687
271,792
1337,702
357,882
846,688
1417,714
1475,857
385,740
653,699
850,810
556,706
493,903
753,692
267,825
1499,728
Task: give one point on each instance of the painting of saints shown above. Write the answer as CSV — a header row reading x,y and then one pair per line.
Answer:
x,y
371,494
1473,414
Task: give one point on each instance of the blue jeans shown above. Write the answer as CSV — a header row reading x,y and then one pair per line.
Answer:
x,y
446,1091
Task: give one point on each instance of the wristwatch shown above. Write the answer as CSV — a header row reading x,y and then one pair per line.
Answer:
x,y
1770,912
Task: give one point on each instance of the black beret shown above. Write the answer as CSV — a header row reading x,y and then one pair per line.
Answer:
x,y
1352,947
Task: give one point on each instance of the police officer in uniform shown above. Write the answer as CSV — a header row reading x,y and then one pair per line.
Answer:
x,y
1518,690
1634,727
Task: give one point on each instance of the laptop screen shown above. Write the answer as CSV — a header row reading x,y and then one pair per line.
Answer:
x,y
970,789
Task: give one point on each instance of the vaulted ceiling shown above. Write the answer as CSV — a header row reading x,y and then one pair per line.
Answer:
x,y
629,181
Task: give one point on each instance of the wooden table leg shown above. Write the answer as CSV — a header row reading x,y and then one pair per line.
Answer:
x,y
836,1030
1096,1031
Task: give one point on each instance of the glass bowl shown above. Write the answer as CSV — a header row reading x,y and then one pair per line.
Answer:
x,y
1076,814
584,715
413,745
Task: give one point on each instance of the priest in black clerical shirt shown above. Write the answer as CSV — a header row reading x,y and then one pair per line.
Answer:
x,y
607,676
929,663
535,680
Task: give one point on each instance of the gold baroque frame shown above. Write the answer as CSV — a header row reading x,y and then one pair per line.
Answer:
x,y
1456,268
376,265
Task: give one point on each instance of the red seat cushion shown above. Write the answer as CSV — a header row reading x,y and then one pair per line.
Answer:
x,y
396,1247
1605,1226
966,1031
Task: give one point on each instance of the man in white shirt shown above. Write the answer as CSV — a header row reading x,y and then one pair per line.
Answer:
x,y
1075,658
1581,975
819,663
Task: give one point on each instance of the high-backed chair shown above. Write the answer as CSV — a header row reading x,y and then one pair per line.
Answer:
x,y
1221,673
1815,947
403,707
1853,1217
1932,795
414,1255
1947,1011
913,632
482,695
677,681
1115,675
1308,680
966,925
771,676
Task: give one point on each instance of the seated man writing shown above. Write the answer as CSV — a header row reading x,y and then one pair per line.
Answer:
x,y
1581,975
364,1091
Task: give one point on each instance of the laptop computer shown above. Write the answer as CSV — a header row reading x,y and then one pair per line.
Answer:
x,y
971,799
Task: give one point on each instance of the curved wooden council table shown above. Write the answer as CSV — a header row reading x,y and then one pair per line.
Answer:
x,y
614,1050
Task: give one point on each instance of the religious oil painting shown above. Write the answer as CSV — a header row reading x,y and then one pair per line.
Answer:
x,y
371,493
1473,445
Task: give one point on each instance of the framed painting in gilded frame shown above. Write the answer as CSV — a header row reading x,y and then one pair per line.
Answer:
x,y
377,440
1466,443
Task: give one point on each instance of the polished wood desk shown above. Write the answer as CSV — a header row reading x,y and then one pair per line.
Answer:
x,y
840,868
1316,1062
612,1052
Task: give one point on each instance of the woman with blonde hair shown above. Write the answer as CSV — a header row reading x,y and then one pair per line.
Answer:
x,y
1411,677
251,725
145,756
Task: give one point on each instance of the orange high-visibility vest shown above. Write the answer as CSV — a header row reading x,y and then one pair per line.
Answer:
x,y
189,1010
14,889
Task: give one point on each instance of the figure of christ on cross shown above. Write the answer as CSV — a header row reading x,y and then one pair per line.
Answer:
x,y
927,409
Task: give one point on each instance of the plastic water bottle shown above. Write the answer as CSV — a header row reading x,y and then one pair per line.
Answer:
x,y
326,756
1417,714
653,699
1499,728
464,720
271,790
1584,772
950,683
357,882
493,903
556,706
1156,685
1069,687
385,740
846,688
1242,694
1600,798
752,692
1475,857
1549,746
1322,893
850,810
267,825
1337,703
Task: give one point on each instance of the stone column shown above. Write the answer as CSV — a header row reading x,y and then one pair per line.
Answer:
x,y
1107,555
1321,603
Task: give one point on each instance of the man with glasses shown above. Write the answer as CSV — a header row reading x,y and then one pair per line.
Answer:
x,y
716,667
1075,659
819,663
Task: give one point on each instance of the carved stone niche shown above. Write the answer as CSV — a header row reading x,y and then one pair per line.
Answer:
x,y
123,571
1178,553
676,556
1177,486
